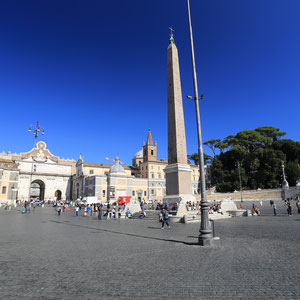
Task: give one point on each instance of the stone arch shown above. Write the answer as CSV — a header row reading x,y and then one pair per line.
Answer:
x,y
37,190
58,195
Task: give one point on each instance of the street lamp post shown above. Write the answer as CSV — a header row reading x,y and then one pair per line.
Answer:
x,y
36,132
285,184
205,237
33,166
241,189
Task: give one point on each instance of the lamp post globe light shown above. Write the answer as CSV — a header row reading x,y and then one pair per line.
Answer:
x,y
205,237
36,131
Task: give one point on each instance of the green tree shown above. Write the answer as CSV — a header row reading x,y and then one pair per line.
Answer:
x,y
212,144
290,148
293,172
195,158
270,132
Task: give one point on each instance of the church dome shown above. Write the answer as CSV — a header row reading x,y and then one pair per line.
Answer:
x,y
117,168
139,154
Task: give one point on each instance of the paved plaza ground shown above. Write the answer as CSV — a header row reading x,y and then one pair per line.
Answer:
x,y
46,256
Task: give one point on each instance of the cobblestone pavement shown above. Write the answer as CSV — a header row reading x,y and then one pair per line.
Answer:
x,y
46,256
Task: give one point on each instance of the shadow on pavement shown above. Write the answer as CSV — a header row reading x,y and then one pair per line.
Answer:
x,y
129,234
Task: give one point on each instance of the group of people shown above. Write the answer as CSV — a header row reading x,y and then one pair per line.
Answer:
x,y
111,211
215,207
28,205
288,205
192,205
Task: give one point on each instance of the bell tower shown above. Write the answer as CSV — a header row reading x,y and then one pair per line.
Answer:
x,y
150,150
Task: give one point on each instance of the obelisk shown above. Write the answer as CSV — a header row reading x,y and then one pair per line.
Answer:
x,y
178,172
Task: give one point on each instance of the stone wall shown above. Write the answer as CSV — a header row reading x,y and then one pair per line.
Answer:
x,y
252,195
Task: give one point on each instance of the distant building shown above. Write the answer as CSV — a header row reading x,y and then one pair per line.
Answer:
x,y
9,179
145,180
36,174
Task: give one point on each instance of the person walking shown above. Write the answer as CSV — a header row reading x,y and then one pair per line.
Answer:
x,y
298,206
108,213
100,208
58,209
77,210
274,209
88,209
25,208
289,208
165,218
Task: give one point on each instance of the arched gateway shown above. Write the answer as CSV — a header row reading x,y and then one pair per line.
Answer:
x,y
37,190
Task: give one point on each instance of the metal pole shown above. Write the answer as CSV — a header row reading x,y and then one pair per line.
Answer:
x,y
205,236
241,189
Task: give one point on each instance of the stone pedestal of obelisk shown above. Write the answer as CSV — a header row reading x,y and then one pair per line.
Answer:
x,y
178,172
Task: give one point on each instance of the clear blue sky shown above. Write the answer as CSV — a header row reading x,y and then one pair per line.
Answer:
x,y
94,73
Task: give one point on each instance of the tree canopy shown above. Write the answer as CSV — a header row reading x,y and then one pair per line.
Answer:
x,y
259,152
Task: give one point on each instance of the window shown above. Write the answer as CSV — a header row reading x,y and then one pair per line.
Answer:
x,y
151,152
103,193
152,192
146,167
151,167
145,153
194,177
133,193
145,193
152,175
91,171
159,175
158,168
4,190
142,168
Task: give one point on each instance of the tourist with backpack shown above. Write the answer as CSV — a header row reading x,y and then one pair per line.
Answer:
x,y
165,218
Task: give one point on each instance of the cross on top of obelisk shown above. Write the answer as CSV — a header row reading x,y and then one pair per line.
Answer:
x,y
171,34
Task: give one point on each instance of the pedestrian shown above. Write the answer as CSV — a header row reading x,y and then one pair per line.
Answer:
x,y
77,210
165,218
58,209
108,213
298,206
119,212
128,213
143,214
289,208
100,208
275,209
88,210
113,213
167,205
271,202
25,208
260,203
